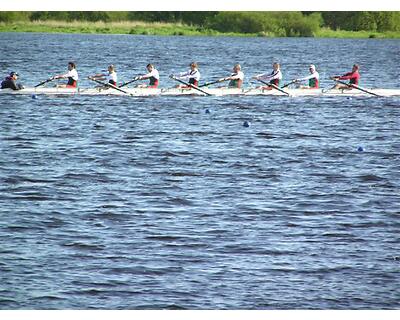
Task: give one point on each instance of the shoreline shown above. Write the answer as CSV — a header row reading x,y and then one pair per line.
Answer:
x,y
167,29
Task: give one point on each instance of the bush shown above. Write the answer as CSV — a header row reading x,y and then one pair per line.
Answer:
x,y
297,25
10,16
362,20
70,15
276,23
243,22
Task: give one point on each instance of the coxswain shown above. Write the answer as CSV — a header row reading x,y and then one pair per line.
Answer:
x,y
236,78
273,78
71,75
152,75
353,76
10,82
110,77
313,79
192,76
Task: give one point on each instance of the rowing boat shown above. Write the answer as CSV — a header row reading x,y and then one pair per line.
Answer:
x,y
141,92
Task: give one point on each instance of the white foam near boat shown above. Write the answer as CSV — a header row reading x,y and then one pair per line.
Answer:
x,y
139,92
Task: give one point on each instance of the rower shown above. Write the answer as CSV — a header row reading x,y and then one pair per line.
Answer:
x,y
152,75
236,78
193,76
111,77
353,76
274,77
10,82
71,75
313,79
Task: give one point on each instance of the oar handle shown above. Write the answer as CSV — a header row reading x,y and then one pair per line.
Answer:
x,y
45,81
351,85
126,83
189,85
212,82
109,85
289,83
274,86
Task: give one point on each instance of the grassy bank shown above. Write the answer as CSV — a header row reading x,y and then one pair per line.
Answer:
x,y
157,28
122,27
328,33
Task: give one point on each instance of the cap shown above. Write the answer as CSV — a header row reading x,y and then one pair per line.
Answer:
x,y
312,66
13,74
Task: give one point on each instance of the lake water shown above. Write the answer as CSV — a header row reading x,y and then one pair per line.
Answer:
x,y
171,203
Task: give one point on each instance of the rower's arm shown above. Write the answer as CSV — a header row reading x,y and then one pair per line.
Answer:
x,y
146,76
233,77
188,75
260,76
276,75
269,77
347,76
62,76
183,75
311,76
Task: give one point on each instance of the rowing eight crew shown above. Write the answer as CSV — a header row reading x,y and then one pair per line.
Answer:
x,y
193,77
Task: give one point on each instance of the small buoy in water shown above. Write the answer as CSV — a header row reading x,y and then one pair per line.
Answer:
x,y
34,96
246,124
360,149
349,98
396,258
208,111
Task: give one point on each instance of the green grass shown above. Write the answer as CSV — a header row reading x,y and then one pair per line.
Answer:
x,y
328,33
157,28
123,27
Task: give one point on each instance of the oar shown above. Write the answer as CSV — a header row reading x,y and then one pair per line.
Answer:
x,y
43,82
212,82
357,87
190,85
288,84
126,83
328,89
274,86
109,85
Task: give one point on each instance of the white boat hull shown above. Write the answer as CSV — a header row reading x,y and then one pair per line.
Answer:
x,y
142,92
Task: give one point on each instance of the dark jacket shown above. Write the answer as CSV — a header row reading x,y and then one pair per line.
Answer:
x,y
11,84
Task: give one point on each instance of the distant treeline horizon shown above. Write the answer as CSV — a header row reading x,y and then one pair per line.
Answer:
x,y
293,23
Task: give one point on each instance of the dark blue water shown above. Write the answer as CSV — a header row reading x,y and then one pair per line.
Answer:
x,y
152,203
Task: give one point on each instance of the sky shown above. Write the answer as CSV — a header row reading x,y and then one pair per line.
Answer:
x,y
203,5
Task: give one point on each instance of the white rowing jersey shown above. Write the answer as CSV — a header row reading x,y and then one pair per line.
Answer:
x,y
236,80
112,77
313,80
71,74
238,76
191,74
154,73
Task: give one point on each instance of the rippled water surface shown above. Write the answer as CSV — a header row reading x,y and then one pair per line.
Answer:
x,y
170,202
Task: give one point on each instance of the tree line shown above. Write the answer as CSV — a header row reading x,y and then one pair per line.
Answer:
x,y
276,23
